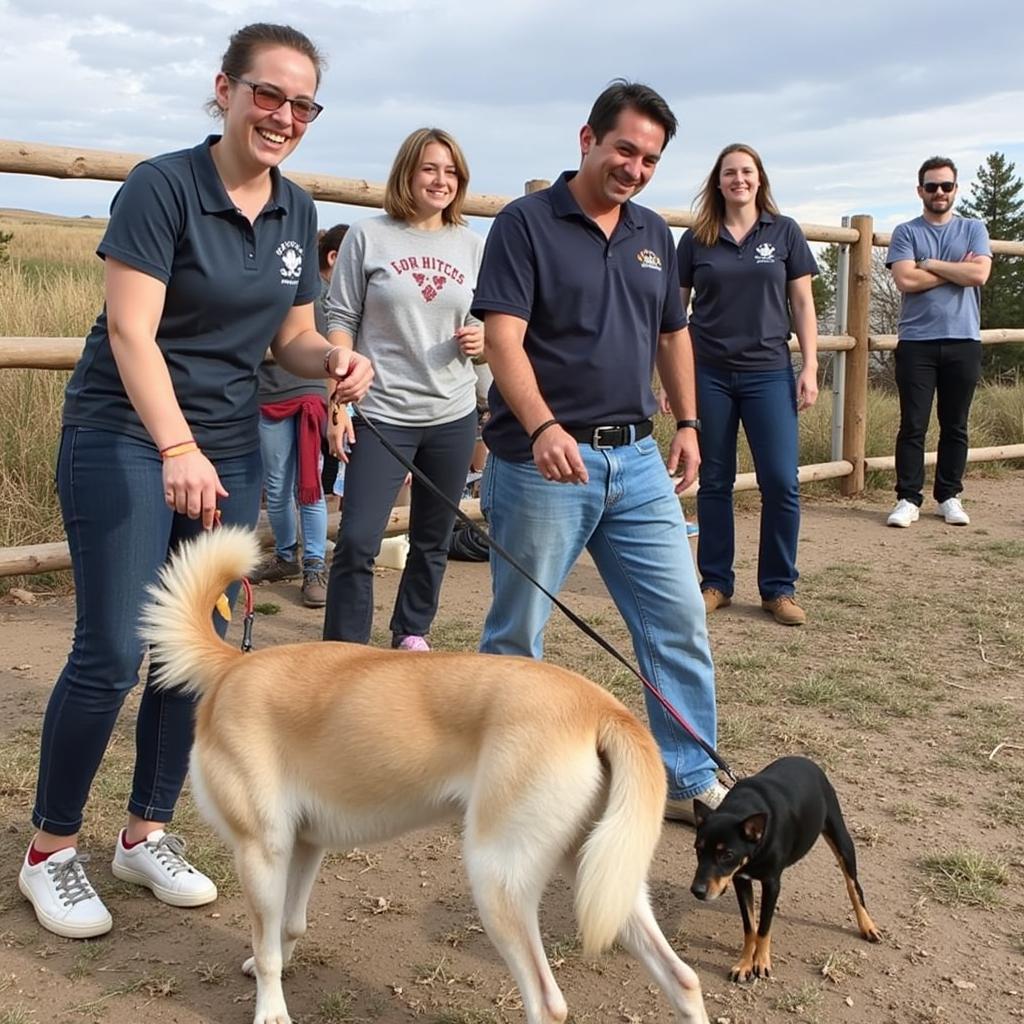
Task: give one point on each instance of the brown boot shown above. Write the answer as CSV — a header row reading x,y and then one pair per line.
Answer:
x,y
713,599
785,610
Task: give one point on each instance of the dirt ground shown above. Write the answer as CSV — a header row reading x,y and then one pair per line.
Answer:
x,y
906,684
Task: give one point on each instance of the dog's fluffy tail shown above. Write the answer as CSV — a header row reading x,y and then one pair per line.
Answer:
x,y
177,621
617,854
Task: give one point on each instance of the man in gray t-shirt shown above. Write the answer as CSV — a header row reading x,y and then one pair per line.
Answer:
x,y
939,262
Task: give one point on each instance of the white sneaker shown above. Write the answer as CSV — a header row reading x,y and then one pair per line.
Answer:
x,y
682,810
905,513
64,901
159,864
953,512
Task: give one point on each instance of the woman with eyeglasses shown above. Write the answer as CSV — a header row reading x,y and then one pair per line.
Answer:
x,y
400,294
209,254
749,271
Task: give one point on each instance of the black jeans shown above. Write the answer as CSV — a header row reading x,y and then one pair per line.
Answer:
x,y
372,481
949,369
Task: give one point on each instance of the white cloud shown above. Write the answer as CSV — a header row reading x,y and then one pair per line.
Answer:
x,y
842,103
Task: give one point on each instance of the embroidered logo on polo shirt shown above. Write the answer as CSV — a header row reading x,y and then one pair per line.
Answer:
x,y
648,260
765,253
291,262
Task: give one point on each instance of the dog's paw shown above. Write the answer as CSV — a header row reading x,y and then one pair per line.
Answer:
x,y
249,967
743,971
872,934
762,967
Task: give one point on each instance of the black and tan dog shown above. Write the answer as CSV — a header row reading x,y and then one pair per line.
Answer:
x,y
766,823
316,746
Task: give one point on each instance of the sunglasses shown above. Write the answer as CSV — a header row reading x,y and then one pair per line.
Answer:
x,y
932,187
268,97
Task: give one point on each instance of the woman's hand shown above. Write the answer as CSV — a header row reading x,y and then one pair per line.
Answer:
x,y
471,340
353,373
806,388
339,430
192,487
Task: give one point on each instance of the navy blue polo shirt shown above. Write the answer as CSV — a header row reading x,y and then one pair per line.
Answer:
x,y
740,314
230,285
594,308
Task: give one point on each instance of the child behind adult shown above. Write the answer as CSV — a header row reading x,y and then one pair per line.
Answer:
x,y
293,418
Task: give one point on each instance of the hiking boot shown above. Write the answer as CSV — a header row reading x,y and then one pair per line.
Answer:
x,y
410,643
158,863
64,901
785,610
682,810
905,513
275,570
714,599
953,512
314,585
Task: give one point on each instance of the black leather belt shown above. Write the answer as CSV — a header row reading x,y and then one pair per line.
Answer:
x,y
611,436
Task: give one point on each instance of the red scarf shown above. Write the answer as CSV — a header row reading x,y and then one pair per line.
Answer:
x,y
312,410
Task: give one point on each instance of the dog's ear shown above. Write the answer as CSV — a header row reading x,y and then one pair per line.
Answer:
x,y
700,813
753,827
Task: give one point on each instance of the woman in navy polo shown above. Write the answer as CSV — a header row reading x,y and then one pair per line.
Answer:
x,y
209,254
749,270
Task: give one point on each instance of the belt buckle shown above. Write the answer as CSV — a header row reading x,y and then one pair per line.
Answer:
x,y
595,440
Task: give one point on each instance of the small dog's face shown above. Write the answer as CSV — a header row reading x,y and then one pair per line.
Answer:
x,y
724,844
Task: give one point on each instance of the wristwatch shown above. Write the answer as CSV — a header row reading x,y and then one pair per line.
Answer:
x,y
692,424
922,264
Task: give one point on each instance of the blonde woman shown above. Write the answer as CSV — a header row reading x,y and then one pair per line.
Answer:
x,y
400,295
749,269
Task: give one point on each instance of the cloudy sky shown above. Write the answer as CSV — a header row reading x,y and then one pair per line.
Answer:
x,y
842,102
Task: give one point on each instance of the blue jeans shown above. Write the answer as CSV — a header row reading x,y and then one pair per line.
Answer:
x,y
765,403
279,446
120,532
628,517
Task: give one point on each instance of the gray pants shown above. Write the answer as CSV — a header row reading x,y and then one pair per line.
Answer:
x,y
372,481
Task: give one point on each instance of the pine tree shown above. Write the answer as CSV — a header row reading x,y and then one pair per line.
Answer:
x,y
997,198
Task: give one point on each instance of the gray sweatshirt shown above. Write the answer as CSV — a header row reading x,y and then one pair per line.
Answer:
x,y
401,293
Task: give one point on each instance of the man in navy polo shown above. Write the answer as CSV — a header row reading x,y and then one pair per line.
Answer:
x,y
579,292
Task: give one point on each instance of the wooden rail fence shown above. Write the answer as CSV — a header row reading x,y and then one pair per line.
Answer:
x,y
100,165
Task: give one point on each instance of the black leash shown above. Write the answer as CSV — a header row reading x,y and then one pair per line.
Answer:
x,y
567,611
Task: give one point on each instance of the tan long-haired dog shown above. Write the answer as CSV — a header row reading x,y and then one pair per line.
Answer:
x,y
309,747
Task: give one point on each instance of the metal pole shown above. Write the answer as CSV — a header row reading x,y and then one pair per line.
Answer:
x,y
839,358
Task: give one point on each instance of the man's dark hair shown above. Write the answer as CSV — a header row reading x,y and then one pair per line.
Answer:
x,y
933,163
330,241
621,95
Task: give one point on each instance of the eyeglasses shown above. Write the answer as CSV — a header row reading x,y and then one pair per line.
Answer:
x,y
268,97
932,187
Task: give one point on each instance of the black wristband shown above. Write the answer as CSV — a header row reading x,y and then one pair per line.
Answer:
x,y
540,430
693,424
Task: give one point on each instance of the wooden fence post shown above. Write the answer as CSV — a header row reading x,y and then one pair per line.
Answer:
x,y
857,323
535,185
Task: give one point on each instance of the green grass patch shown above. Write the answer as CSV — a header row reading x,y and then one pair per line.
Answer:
x,y
965,878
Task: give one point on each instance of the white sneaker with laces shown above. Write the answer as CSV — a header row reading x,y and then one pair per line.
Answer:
x,y
159,864
64,901
953,512
682,810
905,513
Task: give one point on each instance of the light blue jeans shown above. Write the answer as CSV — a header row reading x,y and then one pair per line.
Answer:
x,y
279,446
629,518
